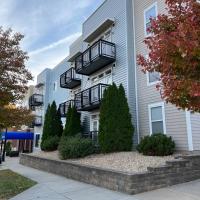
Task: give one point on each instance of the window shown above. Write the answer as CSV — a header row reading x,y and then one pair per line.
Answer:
x,y
149,13
157,118
153,77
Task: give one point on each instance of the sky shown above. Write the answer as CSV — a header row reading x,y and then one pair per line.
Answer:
x,y
49,27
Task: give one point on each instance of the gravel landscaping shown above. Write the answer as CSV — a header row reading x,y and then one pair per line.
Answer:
x,y
123,161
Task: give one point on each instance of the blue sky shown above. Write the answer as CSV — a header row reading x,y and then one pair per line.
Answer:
x,y
49,26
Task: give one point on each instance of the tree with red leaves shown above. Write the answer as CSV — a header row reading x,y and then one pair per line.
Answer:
x,y
174,52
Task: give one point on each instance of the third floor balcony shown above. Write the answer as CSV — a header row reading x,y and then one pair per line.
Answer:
x,y
35,100
70,79
96,57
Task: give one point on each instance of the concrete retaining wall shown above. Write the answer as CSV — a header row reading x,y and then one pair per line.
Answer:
x,y
178,171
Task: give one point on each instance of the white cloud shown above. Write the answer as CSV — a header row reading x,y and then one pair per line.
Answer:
x,y
68,40
49,26
49,56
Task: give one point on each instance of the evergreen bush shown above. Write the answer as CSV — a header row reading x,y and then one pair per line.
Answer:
x,y
73,122
51,143
75,147
115,129
52,129
156,145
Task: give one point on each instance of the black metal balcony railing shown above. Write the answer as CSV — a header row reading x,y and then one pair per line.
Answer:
x,y
37,121
63,107
90,98
99,55
35,100
70,79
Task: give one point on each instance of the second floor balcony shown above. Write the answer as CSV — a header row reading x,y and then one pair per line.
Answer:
x,y
90,98
63,107
35,100
96,57
70,79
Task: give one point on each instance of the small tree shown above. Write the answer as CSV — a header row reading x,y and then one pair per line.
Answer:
x,y
73,122
52,129
116,129
56,122
14,75
46,127
12,115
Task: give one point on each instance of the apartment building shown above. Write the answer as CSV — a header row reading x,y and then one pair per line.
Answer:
x,y
154,115
101,56
45,92
105,53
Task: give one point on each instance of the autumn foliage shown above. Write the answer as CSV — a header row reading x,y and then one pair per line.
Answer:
x,y
174,51
14,78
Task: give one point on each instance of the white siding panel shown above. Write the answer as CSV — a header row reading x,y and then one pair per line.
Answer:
x,y
195,122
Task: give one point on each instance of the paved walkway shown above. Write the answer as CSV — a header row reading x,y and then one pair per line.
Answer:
x,y
52,187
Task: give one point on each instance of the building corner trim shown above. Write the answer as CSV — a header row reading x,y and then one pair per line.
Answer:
x,y
189,130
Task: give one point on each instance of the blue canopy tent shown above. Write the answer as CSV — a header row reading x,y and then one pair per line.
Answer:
x,y
15,135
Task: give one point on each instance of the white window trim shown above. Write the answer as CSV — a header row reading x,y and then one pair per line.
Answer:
x,y
154,105
151,83
151,6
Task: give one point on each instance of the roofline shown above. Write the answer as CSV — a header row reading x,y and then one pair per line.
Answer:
x,y
95,11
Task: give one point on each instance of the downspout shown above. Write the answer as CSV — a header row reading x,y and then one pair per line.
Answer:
x,y
136,88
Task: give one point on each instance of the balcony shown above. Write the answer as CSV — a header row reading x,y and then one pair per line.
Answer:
x,y
70,79
99,55
63,107
37,121
90,99
35,100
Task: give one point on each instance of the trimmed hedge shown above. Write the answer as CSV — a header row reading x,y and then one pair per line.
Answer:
x,y
50,144
75,147
156,145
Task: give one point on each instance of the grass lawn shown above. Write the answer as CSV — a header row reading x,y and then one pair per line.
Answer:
x,y
12,184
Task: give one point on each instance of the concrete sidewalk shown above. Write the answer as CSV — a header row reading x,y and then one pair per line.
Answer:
x,y
52,187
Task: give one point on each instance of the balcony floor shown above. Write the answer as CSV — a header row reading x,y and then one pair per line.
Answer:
x,y
97,64
72,84
90,107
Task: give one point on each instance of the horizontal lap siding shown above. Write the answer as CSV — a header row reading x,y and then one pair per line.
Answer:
x,y
175,119
117,10
114,9
195,122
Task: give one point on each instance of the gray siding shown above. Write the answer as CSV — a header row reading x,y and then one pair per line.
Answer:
x,y
123,71
175,119
195,123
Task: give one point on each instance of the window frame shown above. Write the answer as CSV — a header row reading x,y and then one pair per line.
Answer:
x,y
151,83
155,105
145,22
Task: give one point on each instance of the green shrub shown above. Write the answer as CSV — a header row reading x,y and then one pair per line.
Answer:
x,y
73,122
156,145
52,129
115,129
75,147
50,144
